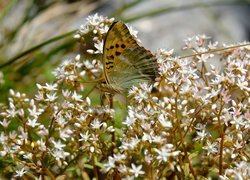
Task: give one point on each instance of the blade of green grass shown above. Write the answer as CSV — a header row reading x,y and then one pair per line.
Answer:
x,y
34,48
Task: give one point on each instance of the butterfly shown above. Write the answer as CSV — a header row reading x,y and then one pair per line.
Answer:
x,y
125,62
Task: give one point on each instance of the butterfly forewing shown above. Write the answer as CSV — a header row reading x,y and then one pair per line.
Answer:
x,y
125,62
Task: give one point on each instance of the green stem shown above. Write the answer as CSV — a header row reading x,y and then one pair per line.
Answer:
x,y
221,131
215,50
94,167
34,48
182,138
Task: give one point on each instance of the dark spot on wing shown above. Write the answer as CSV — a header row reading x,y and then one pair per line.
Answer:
x,y
109,67
117,45
123,46
117,53
112,56
110,62
111,47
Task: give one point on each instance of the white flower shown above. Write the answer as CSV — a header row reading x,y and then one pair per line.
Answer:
x,y
204,57
96,124
84,137
164,122
130,144
136,170
50,87
32,122
165,152
110,164
99,47
34,112
95,19
119,157
201,135
133,32
58,145
51,97
12,111
242,83
3,138
76,97
28,156
23,136
141,95
157,139
39,96
20,173
5,123
82,118
130,119
211,148
60,120
104,29
41,145
59,154
174,79
213,45
164,52
122,168
147,137
238,121
12,135
66,93
146,126
214,93
66,133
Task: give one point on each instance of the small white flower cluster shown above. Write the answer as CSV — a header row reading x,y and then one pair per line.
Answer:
x,y
55,128
70,70
97,26
75,71
240,171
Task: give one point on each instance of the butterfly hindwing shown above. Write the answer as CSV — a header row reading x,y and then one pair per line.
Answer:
x,y
125,62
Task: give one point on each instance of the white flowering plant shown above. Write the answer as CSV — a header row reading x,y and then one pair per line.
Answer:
x,y
195,126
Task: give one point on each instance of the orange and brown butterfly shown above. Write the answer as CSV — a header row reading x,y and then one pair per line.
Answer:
x,y
125,62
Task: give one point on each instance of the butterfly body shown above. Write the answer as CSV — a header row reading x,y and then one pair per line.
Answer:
x,y
125,62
